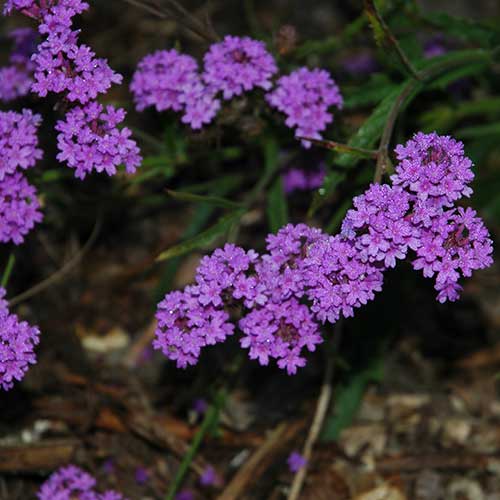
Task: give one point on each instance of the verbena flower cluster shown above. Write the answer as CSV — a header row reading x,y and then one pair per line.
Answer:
x,y
169,80
16,78
73,483
307,277
17,343
63,65
305,96
298,179
19,206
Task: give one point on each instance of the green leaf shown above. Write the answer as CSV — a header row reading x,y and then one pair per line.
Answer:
x,y
464,29
203,239
346,402
277,206
372,92
479,131
209,200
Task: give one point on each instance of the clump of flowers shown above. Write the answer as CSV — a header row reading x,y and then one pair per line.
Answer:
x,y
162,78
167,80
17,345
19,208
18,141
16,78
73,483
89,139
308,277
63,65
237,65
305,97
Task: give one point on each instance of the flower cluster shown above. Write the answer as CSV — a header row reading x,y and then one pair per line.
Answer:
x,y
16,78
63,65
19,206
73,483
89,139
167,79
307,277
298,179
305,97
237,65
18,141
17,343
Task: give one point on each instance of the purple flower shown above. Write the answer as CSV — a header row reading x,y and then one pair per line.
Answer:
x,y
378,225
297,179
70,483
280,331
305,97
90,140
209,477
433,168
184,495
456,244
18,141
361,63
185,326
16,78
169,80
161,78
17,346
200,406
141,475
237,65
19,208
296,461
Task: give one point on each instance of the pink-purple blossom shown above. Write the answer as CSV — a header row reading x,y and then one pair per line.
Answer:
x,y
296,461
89,140
17,345
305,96
18,141
19,208
237,65
16,78
306,277
299,179
71,482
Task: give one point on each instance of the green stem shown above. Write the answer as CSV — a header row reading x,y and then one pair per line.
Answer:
x,y
208,422
424,76
8,270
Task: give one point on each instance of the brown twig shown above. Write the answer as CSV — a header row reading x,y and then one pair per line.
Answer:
x,y
256,465
60,273
340,147
180,14
319,415
374,16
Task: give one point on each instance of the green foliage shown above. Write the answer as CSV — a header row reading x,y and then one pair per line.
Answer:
x,y
203,239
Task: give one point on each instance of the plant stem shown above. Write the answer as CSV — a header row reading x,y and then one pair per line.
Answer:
x,y
8,270
208,421
377,20
424,76
342,148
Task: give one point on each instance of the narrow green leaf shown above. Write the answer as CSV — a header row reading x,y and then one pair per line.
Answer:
x,y
479,131
347,400
277,206
203,239
464,29
209,200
